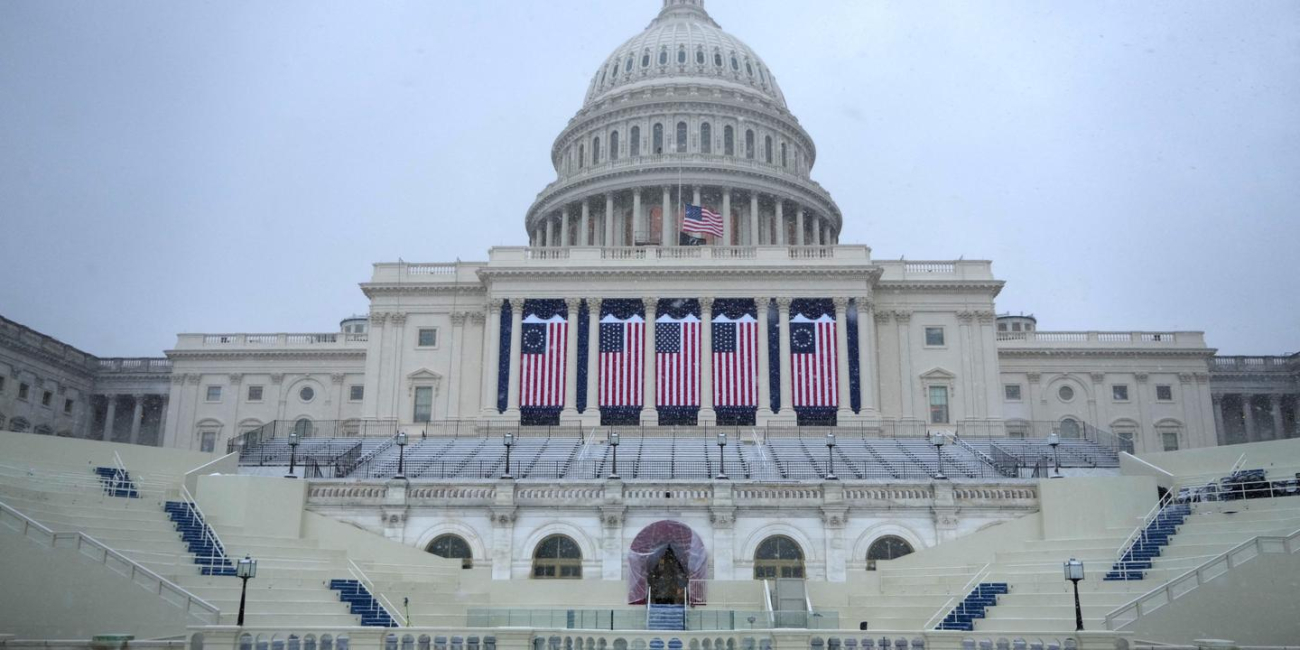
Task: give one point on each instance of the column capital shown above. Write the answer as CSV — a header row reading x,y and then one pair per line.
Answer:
x,y
516,305
883,317
594,303
573,304
1141,377
783,304
398,318
706,303
494,303
277,378
236,378
477,317
1217,399
651,304
1098,377
458,318
903,316
1034,377
763,303
138,397
841,303
966,317
337,377
864,304
378,317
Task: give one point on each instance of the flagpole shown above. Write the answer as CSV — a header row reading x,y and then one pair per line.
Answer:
x,y
681,201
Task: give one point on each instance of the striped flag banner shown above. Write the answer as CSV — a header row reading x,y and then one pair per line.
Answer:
x,y
812,361
735,361
677,361
541,361
622,345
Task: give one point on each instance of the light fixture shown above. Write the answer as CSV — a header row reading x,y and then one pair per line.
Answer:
x,y
830,457
245,569
508,439
722,457
401,455
1074,573
613,442
293,453
1054,440
939,440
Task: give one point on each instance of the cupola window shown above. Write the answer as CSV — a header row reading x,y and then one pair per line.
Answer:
x,y
634,142
681,55
582,155
613,146
645,59
717,59
699,57
628,67
658,139
681,137
767,149
706,138
783,158
595,151
749,68
663,57
735,65
728,141
749,144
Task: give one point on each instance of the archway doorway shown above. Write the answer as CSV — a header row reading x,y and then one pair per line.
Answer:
x,y
664,557
668,580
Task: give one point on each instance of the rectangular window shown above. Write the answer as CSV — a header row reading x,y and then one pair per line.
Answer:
x,y
1170,440
46,398
254,393
1119,392
428,337
934,337
23,390
1012,392
1164,393
2,385
938,405
357,393
207,441
214,393
423,404
1002,327
67,406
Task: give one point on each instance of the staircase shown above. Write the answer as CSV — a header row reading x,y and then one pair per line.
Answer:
x,y
200,540
117,482
1135,561
360,602
666,617
962,617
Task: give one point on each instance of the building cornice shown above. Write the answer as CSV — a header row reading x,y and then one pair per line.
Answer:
x,y
869,274
321,353
372,290
1202,353
993,288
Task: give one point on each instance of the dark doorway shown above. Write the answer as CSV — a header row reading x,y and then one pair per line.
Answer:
x,y
668,580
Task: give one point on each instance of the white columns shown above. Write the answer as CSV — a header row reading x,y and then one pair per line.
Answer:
x,y
584,228
550,232
1218,419
570,411
609,220
138,411
764,363
697,196
817,230
667,236
458,320
1248,412
753,220
591,415
638,219
783,310
726,217
906,381
1275,402
516,338
564,226
109,416
707,415
780,222
491,356
867,374
798,228
649,412
845,410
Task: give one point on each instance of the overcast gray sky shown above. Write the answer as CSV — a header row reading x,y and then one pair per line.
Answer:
x,y
176,165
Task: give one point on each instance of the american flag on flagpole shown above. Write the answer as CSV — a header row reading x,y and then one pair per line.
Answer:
x,y
699,219
813,372
622,344
735,361
677,361
541,361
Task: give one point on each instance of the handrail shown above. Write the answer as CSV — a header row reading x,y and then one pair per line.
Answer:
x,y
208,531
979,454
374,591
207,612
1262,543
647,607
943,611
1164,502
767,602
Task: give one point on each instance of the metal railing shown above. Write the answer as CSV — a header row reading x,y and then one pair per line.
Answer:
x,y
947,606
201,610
1167,593
379,596
209,533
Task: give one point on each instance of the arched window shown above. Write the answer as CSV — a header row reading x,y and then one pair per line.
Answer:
x,y
681,54
663,56
706,138
302,427
613,145
19,424
783,158
735,65
595,150
778,557
1070,428
681,137
645,59
557,557
628,66
699,56
717,59
886,548
749,68
658,139
634,142
582,155
452,547
613,71
749,144
43,429
602,77
728,141
767,149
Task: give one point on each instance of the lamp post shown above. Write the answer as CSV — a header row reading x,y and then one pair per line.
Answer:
x,y
613,442
508,439
1053,440
722,457
401,455
830,457
938,440
293,453
245,569
1074,573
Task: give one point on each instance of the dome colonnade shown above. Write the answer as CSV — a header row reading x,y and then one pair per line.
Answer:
x,y
683,113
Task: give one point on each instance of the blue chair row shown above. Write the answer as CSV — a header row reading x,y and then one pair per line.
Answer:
x,y
199,540
1139,557
360,602
117,482
975,605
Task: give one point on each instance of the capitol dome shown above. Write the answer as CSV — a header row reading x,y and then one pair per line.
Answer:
x,y
684,42
683,114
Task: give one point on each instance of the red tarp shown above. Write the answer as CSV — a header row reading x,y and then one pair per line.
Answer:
x,y
651,544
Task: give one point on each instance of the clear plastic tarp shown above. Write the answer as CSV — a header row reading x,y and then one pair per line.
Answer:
x,y
652,544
